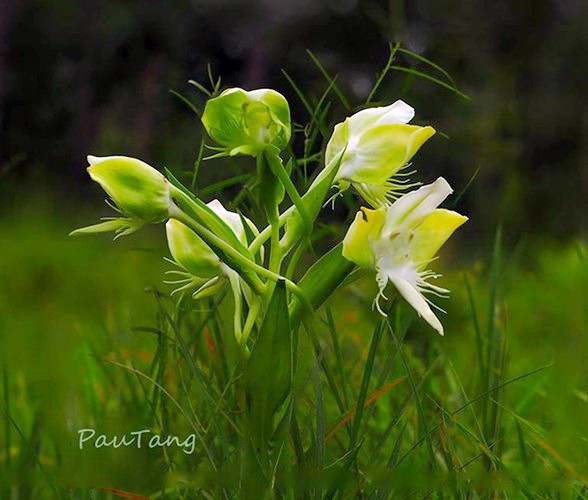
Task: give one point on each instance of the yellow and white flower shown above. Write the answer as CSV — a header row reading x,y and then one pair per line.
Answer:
x,y
399,241
378,144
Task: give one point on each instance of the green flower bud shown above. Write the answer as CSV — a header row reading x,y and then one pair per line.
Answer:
x,y
246,123
202,271
190,251
138,190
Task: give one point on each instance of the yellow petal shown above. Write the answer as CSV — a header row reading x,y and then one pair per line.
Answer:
x,y
433,232
366,226
382,151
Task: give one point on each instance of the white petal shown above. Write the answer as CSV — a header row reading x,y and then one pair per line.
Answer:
x,y
399,112
94,160
417,301
411,209
231,219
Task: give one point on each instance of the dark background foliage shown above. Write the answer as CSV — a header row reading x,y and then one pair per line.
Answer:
x,y
92,76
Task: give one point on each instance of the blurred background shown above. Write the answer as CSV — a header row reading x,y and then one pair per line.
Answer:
x,y
94,77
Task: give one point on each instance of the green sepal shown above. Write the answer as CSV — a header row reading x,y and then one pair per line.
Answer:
x,y
121,226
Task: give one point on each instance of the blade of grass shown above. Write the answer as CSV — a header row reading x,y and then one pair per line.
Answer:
x,y
492,376
310,328
365,382
476,323
319,438
474,400
432,79
330,79
200,87
197,164
218,186
371,400
338,356
413,386
34,456
465,188
428,62
298,92
383,73
187,102
196,425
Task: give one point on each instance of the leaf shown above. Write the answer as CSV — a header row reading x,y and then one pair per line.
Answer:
x,y
268,375
431,79
313,201
321,280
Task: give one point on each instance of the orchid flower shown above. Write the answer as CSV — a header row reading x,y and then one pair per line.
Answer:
x,y
399,241
378,144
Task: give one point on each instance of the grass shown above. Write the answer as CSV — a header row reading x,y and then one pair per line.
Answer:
x,y
495,409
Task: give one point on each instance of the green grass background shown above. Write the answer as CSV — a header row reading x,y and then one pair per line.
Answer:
x,y
70,306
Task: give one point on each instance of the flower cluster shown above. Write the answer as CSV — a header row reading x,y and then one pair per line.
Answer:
x,y
397,238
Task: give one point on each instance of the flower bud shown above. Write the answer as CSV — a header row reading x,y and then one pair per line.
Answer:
x,y
246,123
139,191
190,251
378,143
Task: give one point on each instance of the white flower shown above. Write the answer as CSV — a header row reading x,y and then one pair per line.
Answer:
x,y
378,144
400,240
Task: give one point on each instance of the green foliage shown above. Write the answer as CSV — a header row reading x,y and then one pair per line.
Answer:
x,y
125,361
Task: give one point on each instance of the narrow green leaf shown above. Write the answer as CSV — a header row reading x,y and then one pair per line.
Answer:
x,y
330,79
187,102
429,62
441,83
268,374
365,383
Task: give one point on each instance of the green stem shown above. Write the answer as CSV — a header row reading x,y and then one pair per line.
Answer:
x,y
238,298
250,321
267,232
277,167
275,257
